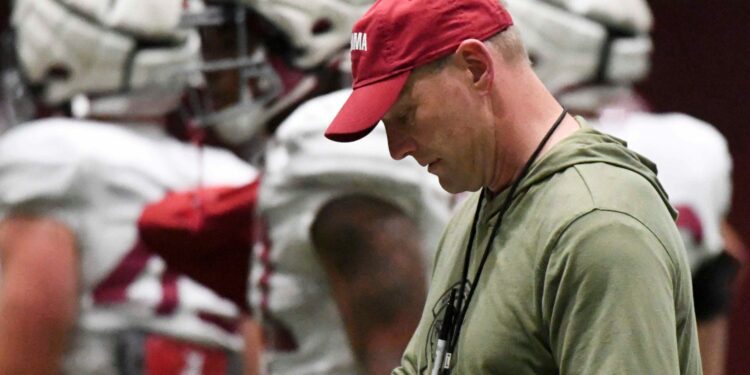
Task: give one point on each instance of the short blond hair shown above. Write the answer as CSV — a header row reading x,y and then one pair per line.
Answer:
x,y
507,43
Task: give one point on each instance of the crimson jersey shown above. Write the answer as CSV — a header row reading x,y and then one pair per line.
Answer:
x,y
97,178
694,166
304,170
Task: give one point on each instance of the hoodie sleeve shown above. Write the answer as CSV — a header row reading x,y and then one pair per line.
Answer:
x,y
608,299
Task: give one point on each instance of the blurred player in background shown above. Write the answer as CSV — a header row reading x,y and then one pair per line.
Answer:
x,y
330,301
90,192
590,54
361,237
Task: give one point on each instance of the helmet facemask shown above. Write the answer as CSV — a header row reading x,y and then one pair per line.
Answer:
x,y
262,58
246,83
16,101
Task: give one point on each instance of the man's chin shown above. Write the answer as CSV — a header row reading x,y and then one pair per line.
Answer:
x,y
454,187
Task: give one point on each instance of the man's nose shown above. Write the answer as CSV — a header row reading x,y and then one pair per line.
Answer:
x,y
400,144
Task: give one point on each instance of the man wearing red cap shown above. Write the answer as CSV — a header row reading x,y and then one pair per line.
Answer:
x,y
568,260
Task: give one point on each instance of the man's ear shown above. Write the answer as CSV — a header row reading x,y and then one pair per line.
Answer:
x,y
475,58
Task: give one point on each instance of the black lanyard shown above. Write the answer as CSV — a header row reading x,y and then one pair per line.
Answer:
x,y
455,323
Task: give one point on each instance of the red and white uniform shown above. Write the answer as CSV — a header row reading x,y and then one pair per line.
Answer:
x,y
97,178
694,166
290,292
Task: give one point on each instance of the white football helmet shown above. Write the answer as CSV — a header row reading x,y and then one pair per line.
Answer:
x,y
587,52
281,52
317,29
126,57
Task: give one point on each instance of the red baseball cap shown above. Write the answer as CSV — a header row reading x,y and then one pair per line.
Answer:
x,y
396,36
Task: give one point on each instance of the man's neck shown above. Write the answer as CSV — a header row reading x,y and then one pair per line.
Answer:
x,y
520,132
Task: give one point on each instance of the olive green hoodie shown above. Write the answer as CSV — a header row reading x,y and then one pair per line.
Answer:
x,y
587,273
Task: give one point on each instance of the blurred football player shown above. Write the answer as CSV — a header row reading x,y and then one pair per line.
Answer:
x,y
331,300
94,190
590,54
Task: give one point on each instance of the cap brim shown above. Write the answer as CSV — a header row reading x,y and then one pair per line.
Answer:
x,y
364,108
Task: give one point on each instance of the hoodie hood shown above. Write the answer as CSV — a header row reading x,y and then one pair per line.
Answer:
x,y
591,146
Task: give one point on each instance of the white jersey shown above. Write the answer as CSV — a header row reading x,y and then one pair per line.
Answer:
x,y
694,166
97,178
304,171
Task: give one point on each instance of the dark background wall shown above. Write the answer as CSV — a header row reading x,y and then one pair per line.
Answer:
x,y
701,66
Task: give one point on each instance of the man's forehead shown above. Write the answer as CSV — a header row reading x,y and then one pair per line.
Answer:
x,y
407,98
404,101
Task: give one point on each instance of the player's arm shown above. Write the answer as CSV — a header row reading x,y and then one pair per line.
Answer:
x,y
252,337
733,243
371,252
712,289
37,294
